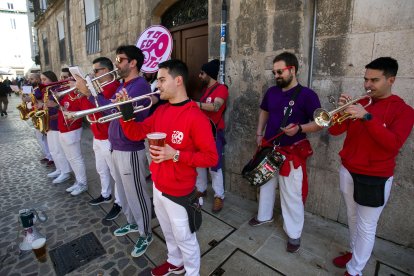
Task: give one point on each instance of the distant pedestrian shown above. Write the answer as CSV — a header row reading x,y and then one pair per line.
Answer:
x,y
4,90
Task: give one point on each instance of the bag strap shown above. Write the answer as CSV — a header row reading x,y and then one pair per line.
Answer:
x,y
278,136
211,91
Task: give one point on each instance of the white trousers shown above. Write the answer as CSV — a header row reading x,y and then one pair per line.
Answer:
x,y
362,222
182,245
216,181
56,150
103,164
129,174
42,140
293,211
71,146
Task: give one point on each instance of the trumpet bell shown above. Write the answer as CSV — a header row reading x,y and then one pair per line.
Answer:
x,y
322,117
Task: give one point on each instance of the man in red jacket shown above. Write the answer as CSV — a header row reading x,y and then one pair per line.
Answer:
x,y
102,66
368,158
189,144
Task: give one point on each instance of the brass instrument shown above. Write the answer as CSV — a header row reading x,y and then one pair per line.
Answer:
x,y
42,115
24,110
72,116
93,84
325,118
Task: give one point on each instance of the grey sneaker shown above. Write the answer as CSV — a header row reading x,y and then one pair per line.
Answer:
x,y
126,229
72,188
79,189
141,245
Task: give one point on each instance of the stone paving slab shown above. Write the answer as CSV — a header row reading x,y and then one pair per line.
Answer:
x,y
240,248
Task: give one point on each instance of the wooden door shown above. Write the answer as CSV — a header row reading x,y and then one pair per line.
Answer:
x,y
191,46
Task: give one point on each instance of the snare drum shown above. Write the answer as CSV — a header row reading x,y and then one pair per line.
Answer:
x,y
263,166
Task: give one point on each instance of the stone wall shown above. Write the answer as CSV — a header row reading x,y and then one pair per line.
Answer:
x,y
349,34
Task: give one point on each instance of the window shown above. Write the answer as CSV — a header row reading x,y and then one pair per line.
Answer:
x,y
92,26
61,36
10,6
13,23
45,50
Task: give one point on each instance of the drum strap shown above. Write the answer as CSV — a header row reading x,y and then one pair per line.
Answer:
x,y
277,137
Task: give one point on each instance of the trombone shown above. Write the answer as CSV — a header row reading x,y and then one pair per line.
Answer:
x,y
325,118
93,85
72,116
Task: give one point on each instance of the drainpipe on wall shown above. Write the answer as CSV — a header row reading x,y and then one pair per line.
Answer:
x,y
312,49
69,32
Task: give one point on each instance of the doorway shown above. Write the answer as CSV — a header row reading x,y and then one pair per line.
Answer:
x,y
191,46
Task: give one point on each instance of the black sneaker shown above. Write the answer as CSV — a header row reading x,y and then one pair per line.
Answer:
x,y
99,200
114,213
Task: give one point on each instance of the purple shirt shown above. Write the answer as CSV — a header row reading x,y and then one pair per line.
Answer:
x,y
38,93
276,101
53,123
135,87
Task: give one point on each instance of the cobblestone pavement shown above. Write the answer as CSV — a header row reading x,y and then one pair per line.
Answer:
x,y
24,185
229,246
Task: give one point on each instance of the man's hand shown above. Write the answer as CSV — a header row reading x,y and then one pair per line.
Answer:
x,y
357,111
81,86
121,96
159,154
259,139
290,129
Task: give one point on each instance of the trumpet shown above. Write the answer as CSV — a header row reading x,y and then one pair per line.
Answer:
x,y
72,116
325,118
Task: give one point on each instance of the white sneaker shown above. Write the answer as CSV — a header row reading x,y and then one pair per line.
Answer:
x,y
79,189
53,174
61,178
73,187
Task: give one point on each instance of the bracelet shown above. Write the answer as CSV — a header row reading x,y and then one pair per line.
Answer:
x,y
300,129
200,105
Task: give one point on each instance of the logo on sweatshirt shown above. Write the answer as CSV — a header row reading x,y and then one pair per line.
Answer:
x,y
177,137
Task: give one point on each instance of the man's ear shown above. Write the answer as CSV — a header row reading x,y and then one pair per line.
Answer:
x,y
133,63
179,80
391,80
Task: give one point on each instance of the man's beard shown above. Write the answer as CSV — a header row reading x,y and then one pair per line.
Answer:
x,y
123,73
282,83
34,84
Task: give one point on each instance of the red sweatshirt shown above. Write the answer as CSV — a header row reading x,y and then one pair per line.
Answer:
x,y
188,130
69,102
371,147
100,131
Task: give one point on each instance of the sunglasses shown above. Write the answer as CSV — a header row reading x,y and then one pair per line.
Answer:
x,y
280,71
98,69
121,59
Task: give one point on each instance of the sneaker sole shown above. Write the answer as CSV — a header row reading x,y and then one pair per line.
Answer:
x,y
261,223
143,252
76,194
99,203
123,234
60,181
173,272
112,218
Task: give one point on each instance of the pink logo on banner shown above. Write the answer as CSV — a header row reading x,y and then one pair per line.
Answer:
x,y
156,44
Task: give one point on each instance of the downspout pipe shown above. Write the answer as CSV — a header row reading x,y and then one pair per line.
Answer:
x,y
67,8
312,48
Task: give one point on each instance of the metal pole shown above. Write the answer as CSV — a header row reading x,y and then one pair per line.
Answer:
x,y
223,43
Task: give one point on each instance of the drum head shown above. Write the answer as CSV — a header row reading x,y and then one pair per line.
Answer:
x,y
253,163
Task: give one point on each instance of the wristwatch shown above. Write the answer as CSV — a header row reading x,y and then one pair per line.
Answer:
x,y
176,156
367,117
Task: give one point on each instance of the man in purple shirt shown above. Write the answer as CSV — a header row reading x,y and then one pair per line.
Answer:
x,y
292,177
128,157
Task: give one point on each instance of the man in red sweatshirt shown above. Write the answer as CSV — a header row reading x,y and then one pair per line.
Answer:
x,y
189,144
368,158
